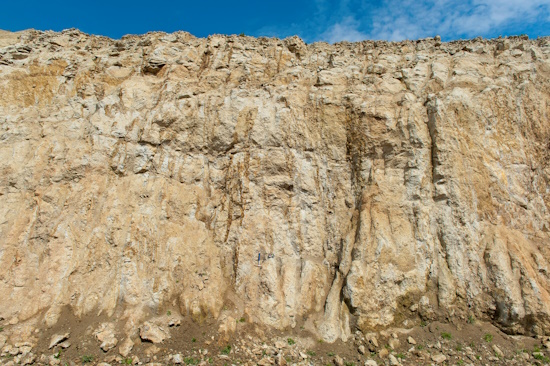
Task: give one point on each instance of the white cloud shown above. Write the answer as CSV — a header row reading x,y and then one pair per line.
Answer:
x,y
395,20
346,30
406,19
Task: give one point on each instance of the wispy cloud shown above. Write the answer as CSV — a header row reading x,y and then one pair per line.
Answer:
x,y
355,20
345,30
402,19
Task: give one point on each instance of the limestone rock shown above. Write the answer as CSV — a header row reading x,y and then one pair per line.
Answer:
x,y
152,332
58,338
378,181
106,335
126,347
439,358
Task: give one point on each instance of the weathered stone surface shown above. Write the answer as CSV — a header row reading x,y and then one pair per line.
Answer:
x,y
58,338
152,332
106,335
383,177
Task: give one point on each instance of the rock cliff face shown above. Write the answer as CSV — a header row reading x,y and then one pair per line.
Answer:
x,y
381,183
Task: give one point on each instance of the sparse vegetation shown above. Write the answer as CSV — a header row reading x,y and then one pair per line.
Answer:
x,y
330,354
420,347
446,335
349,363
423,323
311,353
226,350
127,361
471,319
87,358
168,313
191,361
290,341
193,339
242,320
400,356
488,337
459,347
541,357
536,348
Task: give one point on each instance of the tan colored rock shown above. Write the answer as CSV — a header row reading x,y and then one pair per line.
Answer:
x,y
58,338
439,358
152,332
156,168
106,335
126,347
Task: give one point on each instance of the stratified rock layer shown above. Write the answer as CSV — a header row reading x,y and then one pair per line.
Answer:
x,y
391,182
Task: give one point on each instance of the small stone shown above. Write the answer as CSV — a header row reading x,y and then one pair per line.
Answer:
x,y
393,361
57,338
371,363
177,359
440,358
338,361
303,355
152,332
103,364
383,353
411,340
126,347
361,349
498,351
394,343
280,344
65,344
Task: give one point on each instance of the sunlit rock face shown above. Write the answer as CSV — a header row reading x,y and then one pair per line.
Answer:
x,y
381,183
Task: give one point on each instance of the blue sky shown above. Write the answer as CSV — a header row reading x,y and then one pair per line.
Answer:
x,y
316,20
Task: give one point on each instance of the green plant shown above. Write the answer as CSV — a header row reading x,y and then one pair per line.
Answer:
x,y
446,335
349,363
423,323
472,344
541,357
1,329
310,353
420,347
290,341
459,347
460,362
210,360
388,347
536,348
193,339
87,358
330,354
241,35
488,337
168,313
471,319
478,357
57,355
191,361
226,350
127,361
242,320
400,356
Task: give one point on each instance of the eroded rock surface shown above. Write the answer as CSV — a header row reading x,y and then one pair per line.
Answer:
x,y
381,183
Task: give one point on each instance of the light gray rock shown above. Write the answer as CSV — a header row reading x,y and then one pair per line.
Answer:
x,y
58,338
439,358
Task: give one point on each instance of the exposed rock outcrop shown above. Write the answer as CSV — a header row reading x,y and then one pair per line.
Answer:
x,y
381,183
